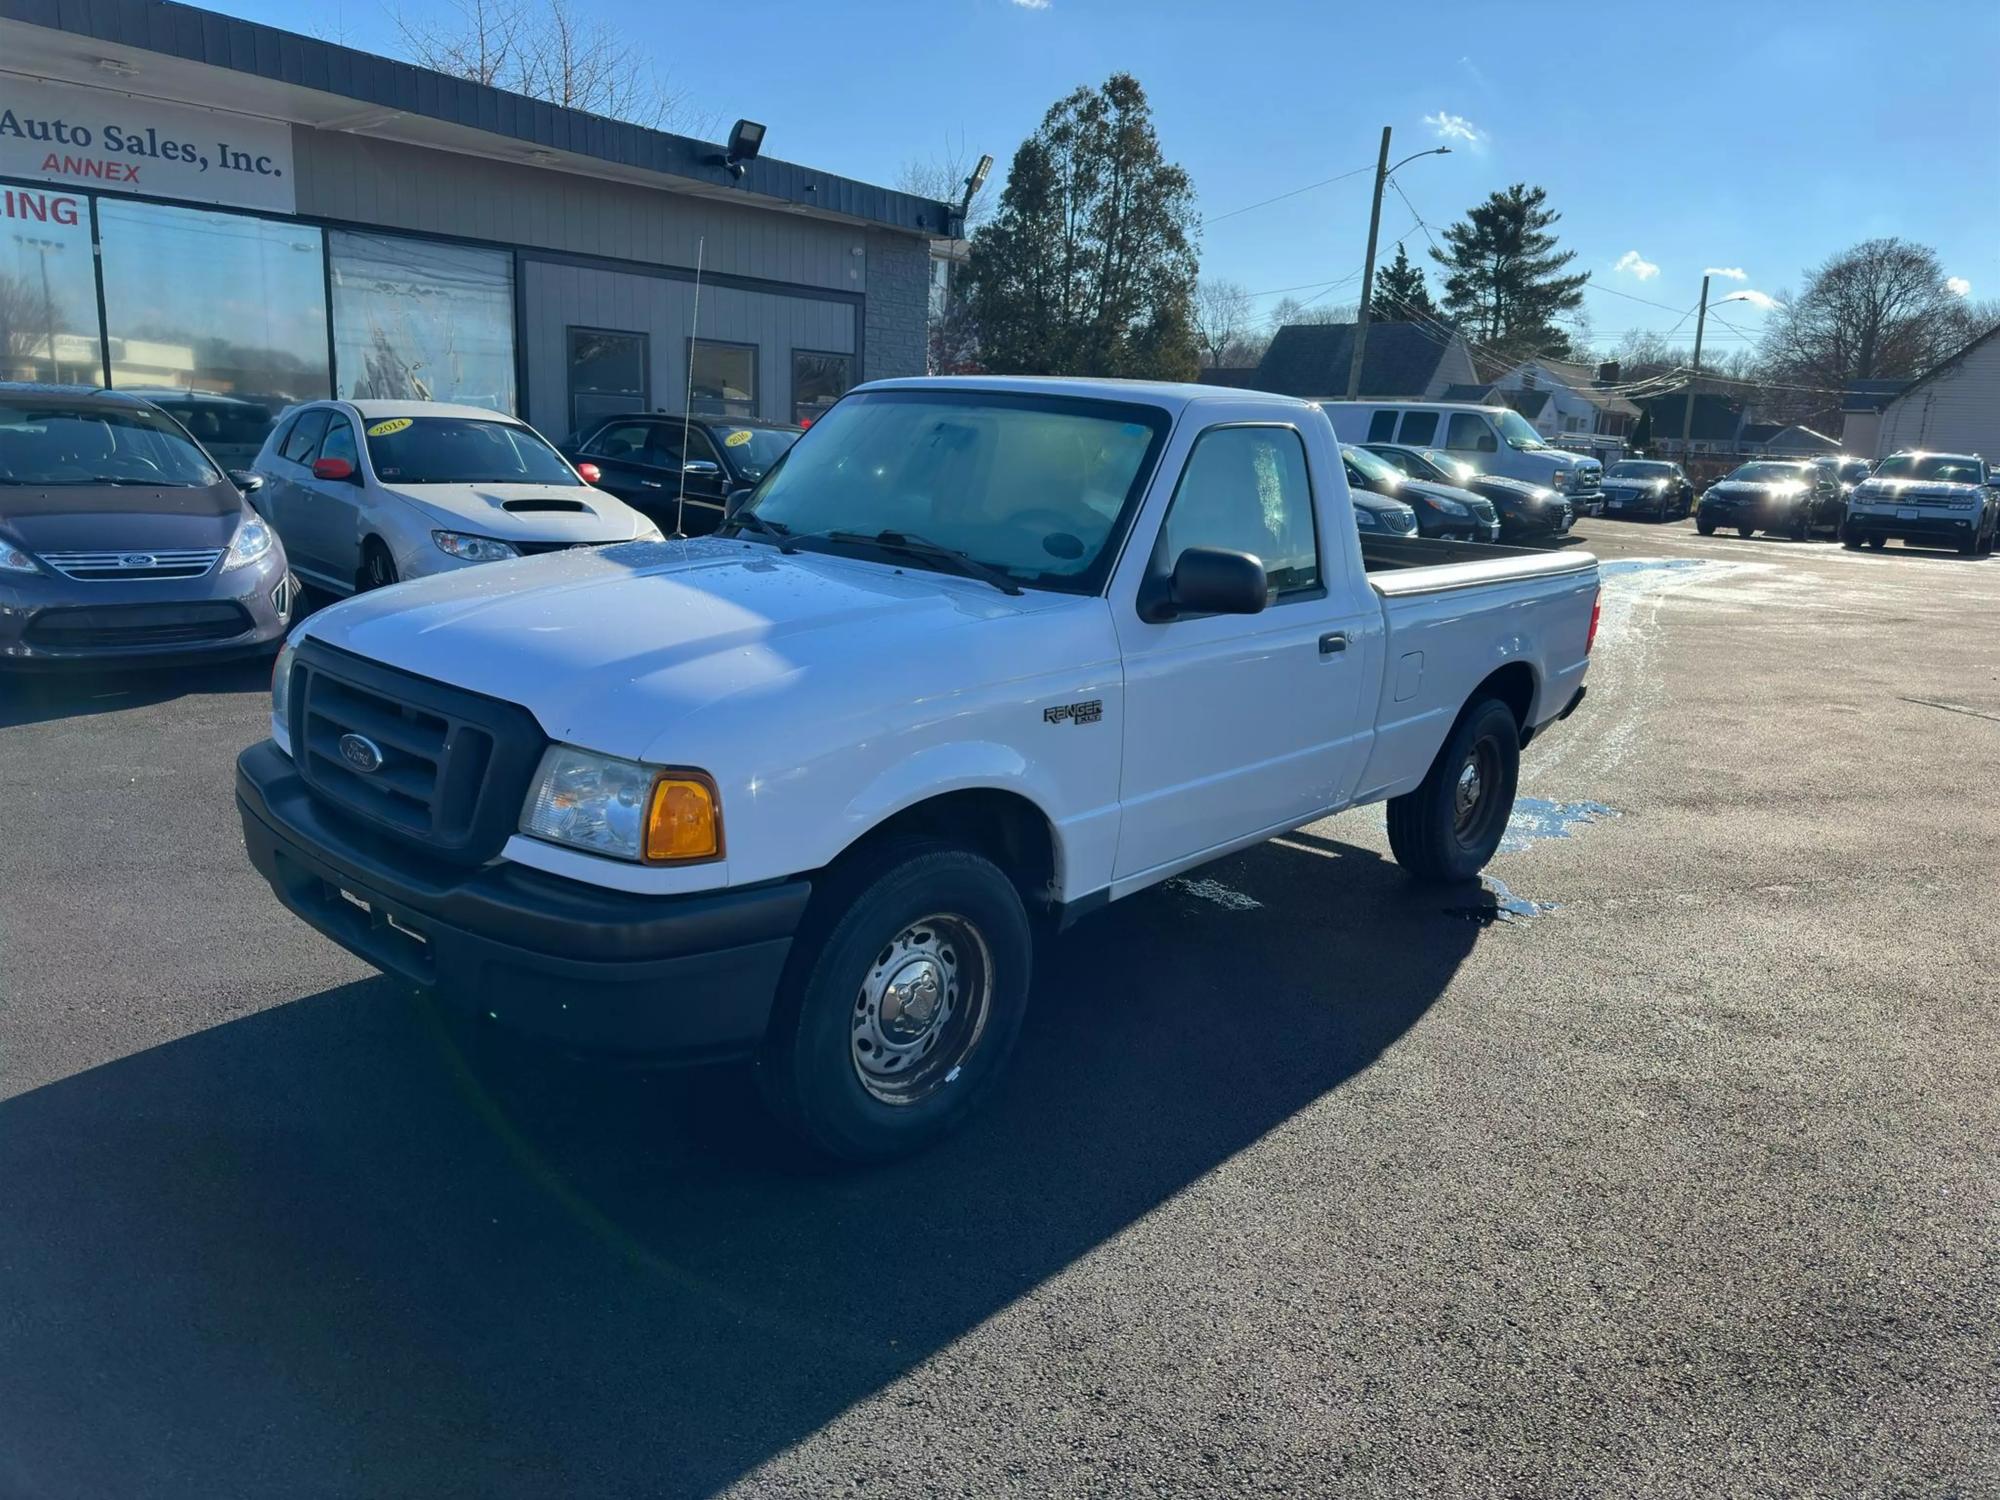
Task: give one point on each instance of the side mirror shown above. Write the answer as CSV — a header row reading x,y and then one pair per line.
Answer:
x,y
333,468
702,468
245,481
733,501
1206,581
589,473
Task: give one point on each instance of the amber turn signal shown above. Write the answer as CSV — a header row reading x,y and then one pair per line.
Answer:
x,y
682,823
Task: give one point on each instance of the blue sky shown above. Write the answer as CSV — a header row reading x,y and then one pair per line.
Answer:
x,y
1753,136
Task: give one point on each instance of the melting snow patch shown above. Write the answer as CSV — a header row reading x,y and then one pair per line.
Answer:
x,y
1492,902
1216,891
1537,818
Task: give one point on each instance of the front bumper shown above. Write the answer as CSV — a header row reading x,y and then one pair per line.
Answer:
x,y
1938,529
49,622
675,978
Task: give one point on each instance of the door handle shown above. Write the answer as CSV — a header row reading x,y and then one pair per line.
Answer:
x,y
1333,642
652,484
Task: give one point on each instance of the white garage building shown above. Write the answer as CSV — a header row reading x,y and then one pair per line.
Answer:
x,y
1954,409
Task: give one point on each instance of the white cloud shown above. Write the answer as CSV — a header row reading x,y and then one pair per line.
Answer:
x,y
1734,273
1958,286
1637,264
1762,300
1030,4
1450,127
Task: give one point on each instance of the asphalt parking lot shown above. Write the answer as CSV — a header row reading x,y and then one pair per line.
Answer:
x,y
1669,1170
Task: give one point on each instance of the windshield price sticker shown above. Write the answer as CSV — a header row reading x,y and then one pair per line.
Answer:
x,y
393,424
737,439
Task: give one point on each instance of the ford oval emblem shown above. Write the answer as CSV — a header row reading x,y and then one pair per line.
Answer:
x,y
360,752
137,560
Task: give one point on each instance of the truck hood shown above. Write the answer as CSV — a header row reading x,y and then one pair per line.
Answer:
x,y
580,638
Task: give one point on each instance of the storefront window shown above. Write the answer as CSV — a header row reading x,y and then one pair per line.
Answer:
x,y
818,380
48,289
217,303
725,378
413,320
607,375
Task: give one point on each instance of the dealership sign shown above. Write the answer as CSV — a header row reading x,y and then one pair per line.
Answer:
x,y
94,138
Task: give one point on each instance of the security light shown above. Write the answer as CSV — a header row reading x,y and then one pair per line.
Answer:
x,y
746,140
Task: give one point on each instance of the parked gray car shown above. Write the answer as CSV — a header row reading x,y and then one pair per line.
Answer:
x,y
120,539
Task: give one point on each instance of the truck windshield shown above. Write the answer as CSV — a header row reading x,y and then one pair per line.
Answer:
x,y
1037,486
1515,429
1640,468
1939,468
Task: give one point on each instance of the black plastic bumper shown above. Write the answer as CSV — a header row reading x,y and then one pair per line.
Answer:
x,y
679,978
1933,531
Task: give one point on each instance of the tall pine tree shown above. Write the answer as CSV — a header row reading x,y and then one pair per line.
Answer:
x,y
1401,295
1504,284
1089,266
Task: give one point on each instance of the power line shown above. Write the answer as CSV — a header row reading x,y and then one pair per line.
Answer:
x,y
1281,197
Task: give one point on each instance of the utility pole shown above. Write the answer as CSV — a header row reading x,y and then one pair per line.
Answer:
x,y
1694,378
1368,272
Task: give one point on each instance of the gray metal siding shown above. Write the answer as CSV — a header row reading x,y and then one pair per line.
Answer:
x,y
399,186
558,297
1956,411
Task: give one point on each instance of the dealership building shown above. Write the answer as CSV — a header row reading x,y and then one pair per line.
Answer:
x,y
193,202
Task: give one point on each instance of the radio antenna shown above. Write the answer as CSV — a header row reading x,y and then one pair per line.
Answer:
x,y
687,407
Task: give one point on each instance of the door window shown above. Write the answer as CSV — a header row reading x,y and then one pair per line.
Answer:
x,y
1419,427
700,447
339,442
1382,426
1469,433
302,442
626,440
607,375
1245,488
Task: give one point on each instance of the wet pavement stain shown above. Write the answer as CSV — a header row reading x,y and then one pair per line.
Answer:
x,y
1538,818
1627,565
1490,902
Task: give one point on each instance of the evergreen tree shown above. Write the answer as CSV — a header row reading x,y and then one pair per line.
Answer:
x,y
1089,266
1504,283
1401,294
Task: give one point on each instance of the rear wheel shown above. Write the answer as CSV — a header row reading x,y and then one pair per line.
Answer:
x,y
901,1001
1746,531
1850,541
1449,827
1878,542
378,568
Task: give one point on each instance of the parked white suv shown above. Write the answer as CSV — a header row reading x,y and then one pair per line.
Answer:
x,y
364,493
1493,439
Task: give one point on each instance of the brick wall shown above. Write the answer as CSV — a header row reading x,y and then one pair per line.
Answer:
x,y
898,306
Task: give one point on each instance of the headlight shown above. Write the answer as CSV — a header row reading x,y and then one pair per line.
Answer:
x,y
281,699
472,548
1365,519
14,560
649,533
623,809
1559,480
252,540
1449,507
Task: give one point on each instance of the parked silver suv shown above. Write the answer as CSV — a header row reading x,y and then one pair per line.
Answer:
x,y
1932,499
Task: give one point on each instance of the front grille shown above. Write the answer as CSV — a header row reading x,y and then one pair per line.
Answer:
x,y
536,549
454,765
108,627
136,565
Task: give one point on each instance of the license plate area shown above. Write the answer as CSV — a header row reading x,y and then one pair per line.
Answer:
x,y
1907,513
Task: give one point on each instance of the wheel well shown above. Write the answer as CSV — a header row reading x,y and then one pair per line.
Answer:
x,y
1004,826
1513,685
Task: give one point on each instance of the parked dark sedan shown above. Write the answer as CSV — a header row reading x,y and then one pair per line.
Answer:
x,y
1381,516
646,459
1528,512
1769,495
1443,510
120,539
1648,487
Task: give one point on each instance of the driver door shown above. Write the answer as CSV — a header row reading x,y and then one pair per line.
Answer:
x,y
330,509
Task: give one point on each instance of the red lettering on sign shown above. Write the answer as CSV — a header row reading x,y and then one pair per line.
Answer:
x,y
43,208
90,166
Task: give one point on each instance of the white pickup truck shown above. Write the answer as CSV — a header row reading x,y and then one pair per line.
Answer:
x,y
978,657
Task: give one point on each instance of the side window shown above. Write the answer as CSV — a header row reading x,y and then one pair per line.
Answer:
x,y
617,440
339,442
303,439
1381,426
1419,427
1469,433
700,447
664,444
1245,488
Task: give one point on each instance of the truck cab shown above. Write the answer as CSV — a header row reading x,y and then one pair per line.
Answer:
x,y
1493,439
975,659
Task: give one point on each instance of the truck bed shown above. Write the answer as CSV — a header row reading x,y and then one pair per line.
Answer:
x,y
1410,565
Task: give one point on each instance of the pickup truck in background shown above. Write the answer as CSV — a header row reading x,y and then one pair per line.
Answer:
x,y
977,657
1493,439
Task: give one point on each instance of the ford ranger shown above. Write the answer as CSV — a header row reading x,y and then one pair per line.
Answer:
x,y
975,658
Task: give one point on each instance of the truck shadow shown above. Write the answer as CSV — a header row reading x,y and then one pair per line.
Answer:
x,y
337,1247
34,697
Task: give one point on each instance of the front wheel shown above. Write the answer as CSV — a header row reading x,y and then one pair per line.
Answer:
x,y
1746,531
1451,825
901,1001
1850,540
1706,528
378,568
1877,543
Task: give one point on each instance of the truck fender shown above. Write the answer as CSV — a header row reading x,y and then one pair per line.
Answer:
x,y
938,770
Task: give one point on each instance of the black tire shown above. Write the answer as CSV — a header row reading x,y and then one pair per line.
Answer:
x,y
1706,528
1850,541
1802,531
912,901
378,568
1746,531
1877,543
1434,834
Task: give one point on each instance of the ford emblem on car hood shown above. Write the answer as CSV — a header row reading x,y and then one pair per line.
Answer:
x,y
360,752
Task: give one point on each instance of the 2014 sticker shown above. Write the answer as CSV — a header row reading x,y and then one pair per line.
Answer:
x,y
392,424
737,438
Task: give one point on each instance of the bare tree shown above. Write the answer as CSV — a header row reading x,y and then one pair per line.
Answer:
x,y
1291,310
952,337
1882,308
944,176
1225,327
549,49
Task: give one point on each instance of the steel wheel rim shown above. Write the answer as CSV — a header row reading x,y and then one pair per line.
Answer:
x,y
921,1009
1475,792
